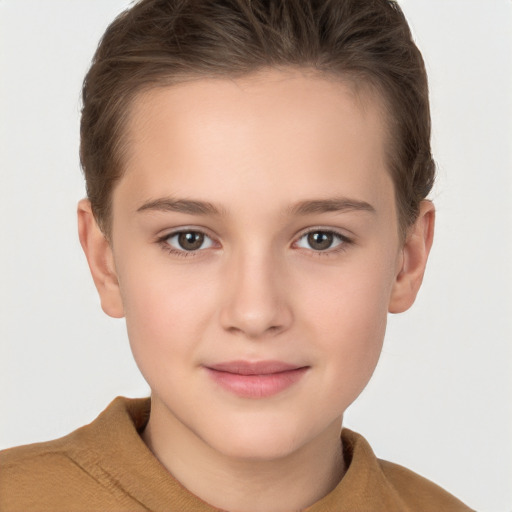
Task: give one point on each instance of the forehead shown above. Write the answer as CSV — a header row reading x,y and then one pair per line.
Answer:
x,y
289,130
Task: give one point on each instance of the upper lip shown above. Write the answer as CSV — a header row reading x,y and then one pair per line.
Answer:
x,y
254,367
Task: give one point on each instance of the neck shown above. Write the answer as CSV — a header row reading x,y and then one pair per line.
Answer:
x,y
241,485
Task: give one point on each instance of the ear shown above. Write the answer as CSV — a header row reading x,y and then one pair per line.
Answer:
x,y
413,259
99,255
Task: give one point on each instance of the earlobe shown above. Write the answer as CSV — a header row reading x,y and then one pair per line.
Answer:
x,y
100,258
414,260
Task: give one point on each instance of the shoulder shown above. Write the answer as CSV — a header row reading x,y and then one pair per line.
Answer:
x,y
64,474
418,492
385,482
45,476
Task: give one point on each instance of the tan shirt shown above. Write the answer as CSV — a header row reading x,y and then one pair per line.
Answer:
x,y
105,466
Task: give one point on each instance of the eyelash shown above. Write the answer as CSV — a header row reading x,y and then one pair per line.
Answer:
x,y
344,240
341,247
163,242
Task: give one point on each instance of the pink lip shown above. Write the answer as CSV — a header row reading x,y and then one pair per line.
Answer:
x,y
255,379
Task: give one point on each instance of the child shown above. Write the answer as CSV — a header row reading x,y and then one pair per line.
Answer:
x,y
257,175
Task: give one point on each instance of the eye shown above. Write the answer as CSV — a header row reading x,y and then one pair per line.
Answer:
x,y
188,241
321,240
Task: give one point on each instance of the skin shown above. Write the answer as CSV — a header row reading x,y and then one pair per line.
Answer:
x,y
257,289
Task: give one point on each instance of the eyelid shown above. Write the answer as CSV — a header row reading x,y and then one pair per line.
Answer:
x,y
345,239
167,233
162,240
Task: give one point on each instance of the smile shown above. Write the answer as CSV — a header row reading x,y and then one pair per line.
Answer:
x,y
255,379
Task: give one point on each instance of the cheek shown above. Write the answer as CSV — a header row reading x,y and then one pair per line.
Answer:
x,y
354,328
166,311
350,301
347,317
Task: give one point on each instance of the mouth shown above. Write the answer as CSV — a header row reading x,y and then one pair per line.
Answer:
x,y
258,379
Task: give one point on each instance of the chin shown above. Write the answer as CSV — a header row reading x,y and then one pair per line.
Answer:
x,y
257,440
255,450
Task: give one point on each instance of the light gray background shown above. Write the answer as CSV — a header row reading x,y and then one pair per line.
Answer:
x,y
440,402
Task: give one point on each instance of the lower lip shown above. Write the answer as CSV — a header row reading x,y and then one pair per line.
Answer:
x,y
256,386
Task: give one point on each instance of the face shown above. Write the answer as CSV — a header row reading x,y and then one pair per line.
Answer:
x,y
256,251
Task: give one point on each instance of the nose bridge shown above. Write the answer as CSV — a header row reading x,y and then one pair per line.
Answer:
x,y
256,300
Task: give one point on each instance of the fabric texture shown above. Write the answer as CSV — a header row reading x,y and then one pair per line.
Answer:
x,y
105,466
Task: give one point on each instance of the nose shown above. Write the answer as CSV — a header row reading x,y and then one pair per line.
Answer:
x,y
256,299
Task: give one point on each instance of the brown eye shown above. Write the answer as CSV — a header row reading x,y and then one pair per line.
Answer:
x,y
320,240
189,241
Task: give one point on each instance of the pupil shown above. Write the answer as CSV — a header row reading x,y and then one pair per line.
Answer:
x,y
191,241
320,240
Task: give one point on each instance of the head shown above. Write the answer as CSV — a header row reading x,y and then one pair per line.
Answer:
x,y
256,173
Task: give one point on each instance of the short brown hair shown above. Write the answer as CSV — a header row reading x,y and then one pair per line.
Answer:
x,y
161,42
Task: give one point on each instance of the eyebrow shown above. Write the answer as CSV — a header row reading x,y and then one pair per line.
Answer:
x,y
188,206
336,204
309,207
